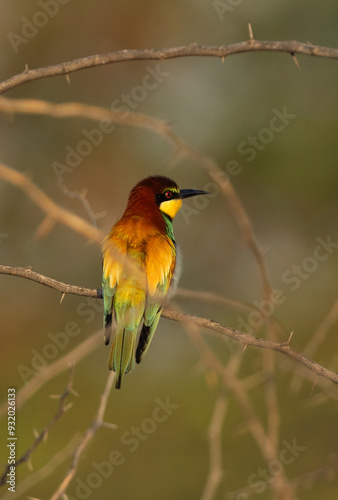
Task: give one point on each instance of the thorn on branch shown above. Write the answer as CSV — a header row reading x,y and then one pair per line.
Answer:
x,y
295,60
289,339
76,394
250,31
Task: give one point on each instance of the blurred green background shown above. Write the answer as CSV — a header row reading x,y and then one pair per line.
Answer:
x,y
289,190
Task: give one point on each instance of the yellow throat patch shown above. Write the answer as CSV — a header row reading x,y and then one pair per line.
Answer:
x,y
171,207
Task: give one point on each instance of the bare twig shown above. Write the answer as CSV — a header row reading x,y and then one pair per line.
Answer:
x,y
26,272
326,473
46,470
231,382
80,110
240,337
289,46
214,298
315,341
304,481
55,213
248,340
42,377
319,336
47,205
26,457
95,425
215,448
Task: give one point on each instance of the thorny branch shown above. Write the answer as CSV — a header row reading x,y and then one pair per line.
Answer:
x,y
45,471
90,433
289,46
60,365
242,338
63,407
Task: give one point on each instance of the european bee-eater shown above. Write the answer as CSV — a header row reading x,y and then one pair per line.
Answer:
x,y
139,265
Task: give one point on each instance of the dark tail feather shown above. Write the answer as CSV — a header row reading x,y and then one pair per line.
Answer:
x,y
118,381
142,343
146,336
108,319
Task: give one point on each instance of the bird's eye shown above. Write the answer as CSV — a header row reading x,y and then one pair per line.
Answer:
x,y
168,194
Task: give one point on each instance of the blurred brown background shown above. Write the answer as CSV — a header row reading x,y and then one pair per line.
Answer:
x,y
287,183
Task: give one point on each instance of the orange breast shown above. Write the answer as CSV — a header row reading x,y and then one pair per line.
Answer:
x,y
138,250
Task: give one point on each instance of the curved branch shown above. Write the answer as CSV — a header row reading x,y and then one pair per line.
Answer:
x,y
290,46
242,338
53,212
26,272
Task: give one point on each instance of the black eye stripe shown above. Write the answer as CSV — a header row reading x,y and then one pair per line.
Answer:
x,y
165,196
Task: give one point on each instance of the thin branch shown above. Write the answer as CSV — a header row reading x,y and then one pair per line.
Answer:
x,y
242,338
316,340
46,470
214,298
80,110
42,377
90,433
215,448
248,340
326,473
26,457
55,213
47,205
304,481
26,272
319,336
289,46
230,381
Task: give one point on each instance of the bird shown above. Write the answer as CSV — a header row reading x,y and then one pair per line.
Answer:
x,y
140,267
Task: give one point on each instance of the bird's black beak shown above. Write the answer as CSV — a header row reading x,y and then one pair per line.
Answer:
x,y
186,193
